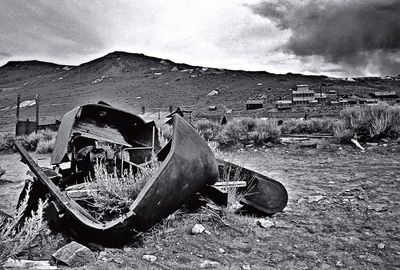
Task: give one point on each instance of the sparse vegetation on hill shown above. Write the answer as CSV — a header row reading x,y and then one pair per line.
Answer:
x,y
133,80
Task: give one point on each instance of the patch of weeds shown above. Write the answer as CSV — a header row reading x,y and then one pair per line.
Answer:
x,y
208,129
45,146
16,236
311,126
6,143
244,131
380,121
165,134
112,195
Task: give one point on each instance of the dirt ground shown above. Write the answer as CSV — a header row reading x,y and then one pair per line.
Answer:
x,y
343,212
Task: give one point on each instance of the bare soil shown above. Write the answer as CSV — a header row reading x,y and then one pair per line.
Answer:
x,y
343,212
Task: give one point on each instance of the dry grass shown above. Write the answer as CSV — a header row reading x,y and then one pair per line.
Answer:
x,y
165,134
208,129
16,236
6,143
244,131
311,126
45,146
42,141
113,195
380,121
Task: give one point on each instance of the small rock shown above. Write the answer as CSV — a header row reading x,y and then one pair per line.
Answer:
x,y
209,264
381,246
339,264
265,223
207,232
198,228
127,249
221,250
149,258
95,247
312,254
104,256
379,207
371,144
118,260
74,255
316,198
246,267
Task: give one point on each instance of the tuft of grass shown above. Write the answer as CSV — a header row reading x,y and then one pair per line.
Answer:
x,y
113,195
16,236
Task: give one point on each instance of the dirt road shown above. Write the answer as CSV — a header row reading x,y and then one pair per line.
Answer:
x,y
343,212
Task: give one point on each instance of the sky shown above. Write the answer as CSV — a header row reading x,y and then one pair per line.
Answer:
x,y
339,38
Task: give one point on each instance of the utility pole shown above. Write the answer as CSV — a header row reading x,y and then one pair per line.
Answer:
x,y
18,104
37,112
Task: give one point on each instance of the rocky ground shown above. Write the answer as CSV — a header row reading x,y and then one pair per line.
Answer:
x,y
343,212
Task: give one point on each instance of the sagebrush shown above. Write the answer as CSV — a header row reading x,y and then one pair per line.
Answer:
x,y
244,131
310,126
41,141
112,195
16,236
376,122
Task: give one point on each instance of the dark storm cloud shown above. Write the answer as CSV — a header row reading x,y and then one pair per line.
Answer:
x,y
358,34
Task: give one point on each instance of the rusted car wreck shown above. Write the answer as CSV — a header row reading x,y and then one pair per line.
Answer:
x,y
188,166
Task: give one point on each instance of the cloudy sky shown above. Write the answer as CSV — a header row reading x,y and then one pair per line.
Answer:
x,y
331,37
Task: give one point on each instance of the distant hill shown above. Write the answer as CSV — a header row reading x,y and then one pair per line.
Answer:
x,y
131,81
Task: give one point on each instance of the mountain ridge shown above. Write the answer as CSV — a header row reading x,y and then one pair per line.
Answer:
x,y
132,81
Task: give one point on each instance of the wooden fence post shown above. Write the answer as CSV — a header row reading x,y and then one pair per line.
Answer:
x,y
18,105
37,112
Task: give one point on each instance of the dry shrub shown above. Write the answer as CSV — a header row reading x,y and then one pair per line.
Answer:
x,y
208,129
343,134
112,195
165,134
31,142
311,126
45,147
6,143
16,236
243,131
379,121
264,132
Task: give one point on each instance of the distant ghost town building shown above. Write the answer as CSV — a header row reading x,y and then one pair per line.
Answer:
x,y
302,96
254,104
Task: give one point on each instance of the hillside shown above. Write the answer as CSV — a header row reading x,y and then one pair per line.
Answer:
x,y
131,81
